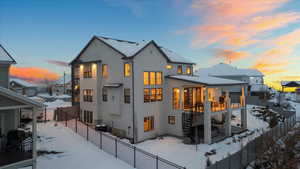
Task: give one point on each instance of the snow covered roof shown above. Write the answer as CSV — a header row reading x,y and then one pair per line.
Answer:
x,y
207,80
290,83
5,56
259,88
21,82
223,69
129,49
15,96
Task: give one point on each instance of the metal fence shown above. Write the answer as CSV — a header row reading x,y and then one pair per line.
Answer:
x,y
122,150
250,151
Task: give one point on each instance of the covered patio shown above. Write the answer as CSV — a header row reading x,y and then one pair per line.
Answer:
x,y
17,146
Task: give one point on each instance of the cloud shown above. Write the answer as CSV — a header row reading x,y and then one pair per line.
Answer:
x,y
58,63
33,74
230,55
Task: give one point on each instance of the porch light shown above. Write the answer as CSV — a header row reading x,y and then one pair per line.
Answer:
x,y
81,67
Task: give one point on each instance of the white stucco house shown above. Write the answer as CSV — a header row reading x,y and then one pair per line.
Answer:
x,y
143,90
15,152
23,87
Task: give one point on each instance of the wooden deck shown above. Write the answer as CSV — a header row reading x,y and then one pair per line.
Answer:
x,y
9,158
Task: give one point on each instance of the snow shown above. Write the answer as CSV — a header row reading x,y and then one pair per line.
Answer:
x,y
51,106
77,153
223,69
208,80
174,57
4,56
174,150
22,82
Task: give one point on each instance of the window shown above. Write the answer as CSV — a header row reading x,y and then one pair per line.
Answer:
x,y
104,94
158,78
127,69
171,120
87,71
126,95
153,95
148,123
152,78
176,98
159,95
179,69
146,78
88,116
88,95
105,70
169,66
146,95
188,70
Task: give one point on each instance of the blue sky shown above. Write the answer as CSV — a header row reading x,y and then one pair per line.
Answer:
x,y
244,33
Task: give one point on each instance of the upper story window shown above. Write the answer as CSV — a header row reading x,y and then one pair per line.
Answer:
x,y
127,69
88,95
126,95
188,70
152,78
169,66
104,70
104,94
179,69
87,71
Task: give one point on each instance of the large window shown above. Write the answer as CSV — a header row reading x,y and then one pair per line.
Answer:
x,y
88,116
87,71
179,69
146,95
126,95
176,98
104,70
148,123
104,94
153,78
153,94
188,70
171,120
127,69
88,95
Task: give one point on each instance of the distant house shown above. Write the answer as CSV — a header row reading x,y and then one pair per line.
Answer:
x,y
23,87
142,90
17,148
253,77
62,86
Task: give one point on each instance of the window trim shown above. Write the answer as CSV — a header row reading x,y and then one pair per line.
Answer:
x,y
127,96
104,95
178,106
171,121
150,123
87,71
88,95
104,73
179,69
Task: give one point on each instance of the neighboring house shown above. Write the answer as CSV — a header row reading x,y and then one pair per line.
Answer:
x,y
298,95
62,86
294,85
142,91
23,87
253,77
17,148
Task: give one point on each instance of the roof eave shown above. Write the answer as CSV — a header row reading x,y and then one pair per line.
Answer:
x,y
207,84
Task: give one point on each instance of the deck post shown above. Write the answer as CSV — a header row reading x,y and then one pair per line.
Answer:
x,y
34,139
228,115
207,119
243,109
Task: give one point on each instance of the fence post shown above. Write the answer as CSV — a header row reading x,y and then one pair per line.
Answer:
x,y
134,156
156,162
45,114
76,123
100,140
87,132
116,147
66,116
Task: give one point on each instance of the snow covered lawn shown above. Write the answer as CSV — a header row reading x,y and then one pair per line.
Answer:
x,y
77,153
175,151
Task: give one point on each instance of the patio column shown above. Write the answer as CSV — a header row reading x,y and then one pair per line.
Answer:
x,y
34,139
228,115
243,110
207,119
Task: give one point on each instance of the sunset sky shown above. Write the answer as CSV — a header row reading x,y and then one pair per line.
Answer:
x,y
43,36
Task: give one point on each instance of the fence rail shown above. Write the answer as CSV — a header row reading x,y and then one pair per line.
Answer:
x,y
249,152
122,150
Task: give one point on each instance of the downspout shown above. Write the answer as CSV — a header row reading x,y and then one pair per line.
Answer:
x,y
133,112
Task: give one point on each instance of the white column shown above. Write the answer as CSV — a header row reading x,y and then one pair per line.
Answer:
x,y
34,135
228,115
207,119
243,110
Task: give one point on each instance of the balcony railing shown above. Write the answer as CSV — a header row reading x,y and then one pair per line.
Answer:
x,y
215,107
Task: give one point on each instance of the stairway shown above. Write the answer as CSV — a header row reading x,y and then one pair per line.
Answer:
x,y
187,124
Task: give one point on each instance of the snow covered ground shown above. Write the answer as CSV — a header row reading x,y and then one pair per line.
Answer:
x,y
77,153
174,150
51,106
